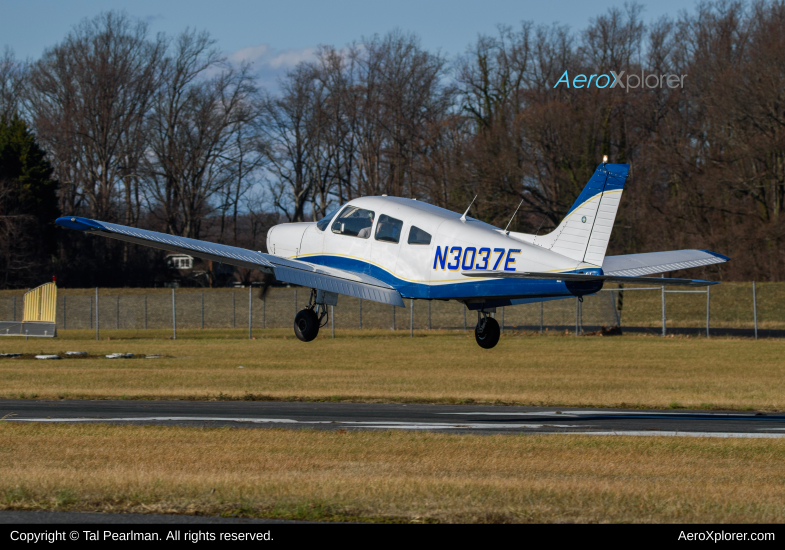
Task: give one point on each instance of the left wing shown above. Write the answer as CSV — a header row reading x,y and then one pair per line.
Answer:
x,y
296,272
586,277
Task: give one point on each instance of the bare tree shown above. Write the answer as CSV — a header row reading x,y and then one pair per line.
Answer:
x,y
13,74
198,110
88,99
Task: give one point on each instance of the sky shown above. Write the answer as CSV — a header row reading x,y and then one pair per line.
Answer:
x,y
276,35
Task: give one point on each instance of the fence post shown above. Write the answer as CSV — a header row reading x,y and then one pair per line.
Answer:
x,y
117,313
332,320
264,312
754,309
541,317
96,313
145,311
234,318
202,310
91,312
663,311
361,313
411,318
708,309
250,307
577,307
174,317
63,312
429,315
393,327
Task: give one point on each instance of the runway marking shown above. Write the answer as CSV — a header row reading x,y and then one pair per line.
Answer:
x,y
577,414
400,425
160,419
388,424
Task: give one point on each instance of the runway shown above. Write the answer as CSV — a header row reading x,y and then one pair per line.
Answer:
x,y
377,416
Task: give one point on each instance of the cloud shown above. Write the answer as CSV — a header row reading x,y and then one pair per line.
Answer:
x,y
269,63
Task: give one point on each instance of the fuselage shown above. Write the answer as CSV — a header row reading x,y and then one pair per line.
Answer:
x,y
422,250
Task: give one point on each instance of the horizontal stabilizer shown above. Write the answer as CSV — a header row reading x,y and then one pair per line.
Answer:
x,y
584,277
660,262
359,285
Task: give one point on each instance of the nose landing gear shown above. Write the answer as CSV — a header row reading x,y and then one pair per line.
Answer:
x,y
308,321
487,331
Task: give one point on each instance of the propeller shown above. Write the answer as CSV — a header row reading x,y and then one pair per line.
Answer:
x,y
267,280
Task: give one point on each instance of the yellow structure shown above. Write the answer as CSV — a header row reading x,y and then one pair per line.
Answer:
x,y
41,304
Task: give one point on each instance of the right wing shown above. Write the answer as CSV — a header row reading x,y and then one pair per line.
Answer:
x,y
636,265
296,272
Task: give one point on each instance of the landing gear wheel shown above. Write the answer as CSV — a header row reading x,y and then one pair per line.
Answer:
x,y
306,325
489,335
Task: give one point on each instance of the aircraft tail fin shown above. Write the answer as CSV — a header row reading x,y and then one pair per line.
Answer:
x,y
583,234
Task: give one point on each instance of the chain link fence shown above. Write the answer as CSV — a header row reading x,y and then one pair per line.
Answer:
x,y
730,307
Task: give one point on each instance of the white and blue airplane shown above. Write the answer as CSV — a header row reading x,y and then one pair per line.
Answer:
x,y
386,249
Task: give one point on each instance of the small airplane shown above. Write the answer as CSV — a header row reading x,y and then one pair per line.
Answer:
x,y
386,249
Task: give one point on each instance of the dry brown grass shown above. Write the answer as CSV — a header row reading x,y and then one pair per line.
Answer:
x,y
338,475
445,367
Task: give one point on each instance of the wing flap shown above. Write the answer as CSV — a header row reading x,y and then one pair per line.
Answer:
x,y
296,272
586,277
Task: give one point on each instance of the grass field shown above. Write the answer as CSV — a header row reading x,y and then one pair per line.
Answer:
x,y
411,477
374,366
348,475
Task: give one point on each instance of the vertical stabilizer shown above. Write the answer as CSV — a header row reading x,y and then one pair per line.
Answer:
x,y
583,234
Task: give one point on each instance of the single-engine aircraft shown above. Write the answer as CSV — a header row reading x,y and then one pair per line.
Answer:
x,y
386,249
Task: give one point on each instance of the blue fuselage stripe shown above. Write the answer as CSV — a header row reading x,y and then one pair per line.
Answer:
x,y
469,289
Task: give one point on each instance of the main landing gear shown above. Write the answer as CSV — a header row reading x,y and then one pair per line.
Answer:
x,y
309,320
487,331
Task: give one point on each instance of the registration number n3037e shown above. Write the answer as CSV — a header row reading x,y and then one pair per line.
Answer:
x,y
456,258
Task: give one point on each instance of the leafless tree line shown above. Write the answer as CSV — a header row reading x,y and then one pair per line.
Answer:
x,y
160,132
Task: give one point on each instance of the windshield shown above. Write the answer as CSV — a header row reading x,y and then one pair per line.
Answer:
x,y
325,221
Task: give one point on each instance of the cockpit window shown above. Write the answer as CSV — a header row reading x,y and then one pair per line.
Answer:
x,y
325,221
418,236
354,222
388,229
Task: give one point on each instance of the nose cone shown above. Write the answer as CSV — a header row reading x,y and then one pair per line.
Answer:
x,y
284,239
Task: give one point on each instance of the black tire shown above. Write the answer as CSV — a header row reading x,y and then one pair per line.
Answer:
x,y
489,337
306,325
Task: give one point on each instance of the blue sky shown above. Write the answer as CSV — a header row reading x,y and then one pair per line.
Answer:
x,y
278,34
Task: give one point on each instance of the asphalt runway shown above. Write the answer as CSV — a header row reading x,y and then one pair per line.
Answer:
x,y
377,416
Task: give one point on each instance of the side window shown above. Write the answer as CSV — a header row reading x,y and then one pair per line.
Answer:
x,y
354,222
418,236
388,229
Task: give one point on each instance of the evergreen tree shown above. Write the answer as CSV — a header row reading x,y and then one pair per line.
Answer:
x,y
28,207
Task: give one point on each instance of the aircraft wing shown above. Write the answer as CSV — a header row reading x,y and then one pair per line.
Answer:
x,y
577,277
296,272
659,262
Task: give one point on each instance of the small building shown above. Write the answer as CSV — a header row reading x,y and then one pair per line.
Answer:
x,y
180,261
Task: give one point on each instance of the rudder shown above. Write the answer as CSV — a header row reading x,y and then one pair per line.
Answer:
x,y
584,233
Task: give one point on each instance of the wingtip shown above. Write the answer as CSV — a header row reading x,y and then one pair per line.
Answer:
x,y
716,254
80,224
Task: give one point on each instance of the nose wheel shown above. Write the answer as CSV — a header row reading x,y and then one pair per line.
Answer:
x,y
487,331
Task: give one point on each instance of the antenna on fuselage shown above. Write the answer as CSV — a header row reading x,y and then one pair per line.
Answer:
x,y
463,218
513,216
